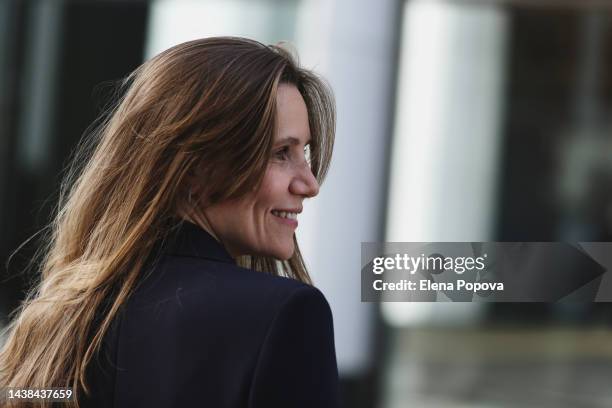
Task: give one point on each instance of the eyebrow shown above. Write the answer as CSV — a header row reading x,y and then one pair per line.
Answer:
x,y
292,140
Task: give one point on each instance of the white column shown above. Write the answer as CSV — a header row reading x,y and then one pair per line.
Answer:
x,y
447,135
172,22
352,44
43,45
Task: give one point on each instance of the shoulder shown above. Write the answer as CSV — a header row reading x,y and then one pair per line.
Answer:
x,y
192,291
300,341
199,276
200,324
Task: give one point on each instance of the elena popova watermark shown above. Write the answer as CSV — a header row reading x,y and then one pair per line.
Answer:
x,y
486,271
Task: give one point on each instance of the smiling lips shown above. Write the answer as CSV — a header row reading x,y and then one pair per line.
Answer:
x,y
286,217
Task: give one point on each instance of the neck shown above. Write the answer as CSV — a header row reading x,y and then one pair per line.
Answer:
x,y
199,218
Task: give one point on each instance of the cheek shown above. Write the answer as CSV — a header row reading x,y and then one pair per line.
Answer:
x,y
231,216
274,187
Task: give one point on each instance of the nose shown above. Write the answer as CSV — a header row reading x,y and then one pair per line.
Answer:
x,y
304,183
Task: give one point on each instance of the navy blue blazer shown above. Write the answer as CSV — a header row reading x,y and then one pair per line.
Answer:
x,y
202,332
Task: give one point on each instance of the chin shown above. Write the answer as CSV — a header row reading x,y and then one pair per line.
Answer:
x,y
283,253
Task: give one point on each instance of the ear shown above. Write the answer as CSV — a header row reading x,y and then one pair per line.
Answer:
x,y
196,190
193,181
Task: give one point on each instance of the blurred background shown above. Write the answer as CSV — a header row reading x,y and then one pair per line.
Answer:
x,y
458,120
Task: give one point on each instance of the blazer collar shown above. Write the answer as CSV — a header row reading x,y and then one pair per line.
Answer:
x,y
191,240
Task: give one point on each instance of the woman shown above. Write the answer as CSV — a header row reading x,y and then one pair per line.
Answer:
x,y
201,167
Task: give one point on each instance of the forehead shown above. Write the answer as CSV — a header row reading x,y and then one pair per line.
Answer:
x,y
292,114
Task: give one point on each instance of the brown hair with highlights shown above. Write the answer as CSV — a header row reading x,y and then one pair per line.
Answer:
x,y
209,103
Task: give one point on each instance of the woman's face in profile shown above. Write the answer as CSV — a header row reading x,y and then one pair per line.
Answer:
x,y
263,222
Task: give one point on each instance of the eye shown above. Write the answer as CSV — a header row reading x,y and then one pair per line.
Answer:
x,y
282,153
307,154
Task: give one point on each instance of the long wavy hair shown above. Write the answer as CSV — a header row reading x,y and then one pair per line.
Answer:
x,y
209,103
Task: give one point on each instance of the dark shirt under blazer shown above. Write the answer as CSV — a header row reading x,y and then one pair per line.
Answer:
x,y
202,332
